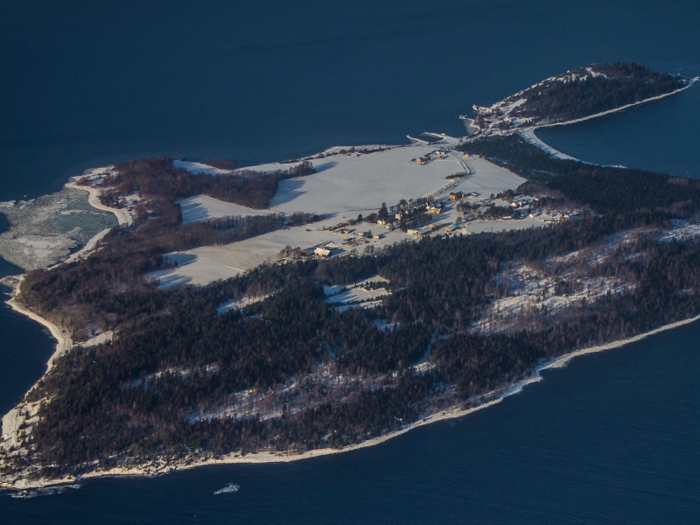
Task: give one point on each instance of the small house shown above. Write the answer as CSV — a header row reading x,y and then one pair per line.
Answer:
x,y
322,252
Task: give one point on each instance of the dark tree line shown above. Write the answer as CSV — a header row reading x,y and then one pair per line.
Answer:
x,y
157,178
616,85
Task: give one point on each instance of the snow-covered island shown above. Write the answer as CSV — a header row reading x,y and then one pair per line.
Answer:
x,y
289,310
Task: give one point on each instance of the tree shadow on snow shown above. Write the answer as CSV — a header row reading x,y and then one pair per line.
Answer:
x,y
288,191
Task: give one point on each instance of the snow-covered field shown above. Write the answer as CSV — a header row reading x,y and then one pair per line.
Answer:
x,y
196,168
500,225
362,182
202,207
357,295
346,185
488,178
356,182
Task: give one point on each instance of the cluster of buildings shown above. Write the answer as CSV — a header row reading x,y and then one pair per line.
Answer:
x,y
524,201
437,154
459,195
416,214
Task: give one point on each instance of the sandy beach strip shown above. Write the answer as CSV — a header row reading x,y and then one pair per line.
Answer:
x,y
89,246
122,215
63,339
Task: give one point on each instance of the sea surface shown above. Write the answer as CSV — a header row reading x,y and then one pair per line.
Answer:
x,y
612,438
661,135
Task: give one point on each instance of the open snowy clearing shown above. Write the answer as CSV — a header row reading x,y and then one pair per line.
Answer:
x,y
355,295
270,167
487,178
234,304
203,207
362,183
203,265
500,225
353,184
197,168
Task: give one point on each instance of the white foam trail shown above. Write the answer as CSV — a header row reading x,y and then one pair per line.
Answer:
x,y
231,487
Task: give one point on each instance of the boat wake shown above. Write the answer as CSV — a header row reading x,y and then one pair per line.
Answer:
x,y
231,487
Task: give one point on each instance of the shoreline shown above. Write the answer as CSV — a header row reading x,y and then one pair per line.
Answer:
x,y
490,399
529,134
621,108
10,422
63,341
122,215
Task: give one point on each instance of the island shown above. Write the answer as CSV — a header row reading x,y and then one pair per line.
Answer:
x,y
289,310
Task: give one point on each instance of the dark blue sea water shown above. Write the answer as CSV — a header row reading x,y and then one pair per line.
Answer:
x,y
661,135
610,439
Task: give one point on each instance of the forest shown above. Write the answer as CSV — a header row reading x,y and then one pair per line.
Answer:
x,y
609,86
158,179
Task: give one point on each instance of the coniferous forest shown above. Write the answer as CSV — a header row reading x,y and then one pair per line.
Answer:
x,y
601,87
